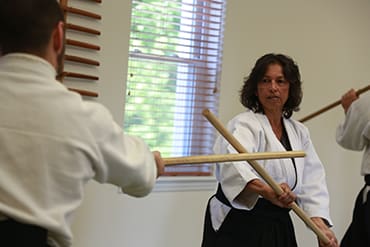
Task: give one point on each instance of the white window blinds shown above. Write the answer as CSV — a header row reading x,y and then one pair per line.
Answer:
x,y
173,74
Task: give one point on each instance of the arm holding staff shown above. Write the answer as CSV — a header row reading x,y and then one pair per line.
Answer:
x,y
334,104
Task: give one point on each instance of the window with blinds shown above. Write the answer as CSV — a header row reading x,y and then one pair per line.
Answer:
x,y
173,74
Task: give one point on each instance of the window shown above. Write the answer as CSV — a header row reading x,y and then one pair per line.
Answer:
x,y
173,74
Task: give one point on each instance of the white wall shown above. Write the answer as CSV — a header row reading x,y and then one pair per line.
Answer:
x,y
330,42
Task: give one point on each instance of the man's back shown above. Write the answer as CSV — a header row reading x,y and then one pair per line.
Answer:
x,y
52,143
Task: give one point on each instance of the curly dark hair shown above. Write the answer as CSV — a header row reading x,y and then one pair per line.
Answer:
x,y
291,73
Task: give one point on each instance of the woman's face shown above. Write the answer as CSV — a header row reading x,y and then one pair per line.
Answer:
x,y
273,89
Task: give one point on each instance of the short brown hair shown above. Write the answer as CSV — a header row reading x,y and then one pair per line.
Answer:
x,y
26,25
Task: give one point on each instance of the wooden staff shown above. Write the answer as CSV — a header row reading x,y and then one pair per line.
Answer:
x,y
79,75
81,12
332,105
84,92
83,60
231,157
82,44
82,29
278,190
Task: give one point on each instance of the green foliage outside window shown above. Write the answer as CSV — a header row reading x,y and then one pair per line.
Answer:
x,y
151,85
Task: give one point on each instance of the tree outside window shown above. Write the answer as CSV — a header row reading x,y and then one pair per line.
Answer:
x,y
173,74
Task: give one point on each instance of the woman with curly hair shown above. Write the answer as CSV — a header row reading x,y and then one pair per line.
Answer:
x,y
245,211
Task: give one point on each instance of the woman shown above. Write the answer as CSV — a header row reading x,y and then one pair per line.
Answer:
x,y
245,211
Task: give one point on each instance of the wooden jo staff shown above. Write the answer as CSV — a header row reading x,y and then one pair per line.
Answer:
x,y
81,12
332,105
231,157
79,75
270,181
84,92
83,60
82,29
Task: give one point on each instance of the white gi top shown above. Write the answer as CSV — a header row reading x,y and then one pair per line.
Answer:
x,y
354,132
52,143
254,132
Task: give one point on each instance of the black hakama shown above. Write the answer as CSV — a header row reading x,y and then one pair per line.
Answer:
x,y
17,234
266,225
358,233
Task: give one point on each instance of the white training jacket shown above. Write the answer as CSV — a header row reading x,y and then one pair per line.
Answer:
x,y
354,132
52,143
254,132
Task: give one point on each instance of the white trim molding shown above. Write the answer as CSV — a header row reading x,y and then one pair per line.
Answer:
x,y
195,183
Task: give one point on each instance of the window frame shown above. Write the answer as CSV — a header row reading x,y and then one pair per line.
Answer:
x,y
137,54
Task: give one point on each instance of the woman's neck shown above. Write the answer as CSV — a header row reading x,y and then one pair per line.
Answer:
x,y
276,123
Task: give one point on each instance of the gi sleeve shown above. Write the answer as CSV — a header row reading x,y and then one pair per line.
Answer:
x,y
234,176
314,196
354,132
124,160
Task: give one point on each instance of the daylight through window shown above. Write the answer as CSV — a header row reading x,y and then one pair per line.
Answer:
x,y
173,74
